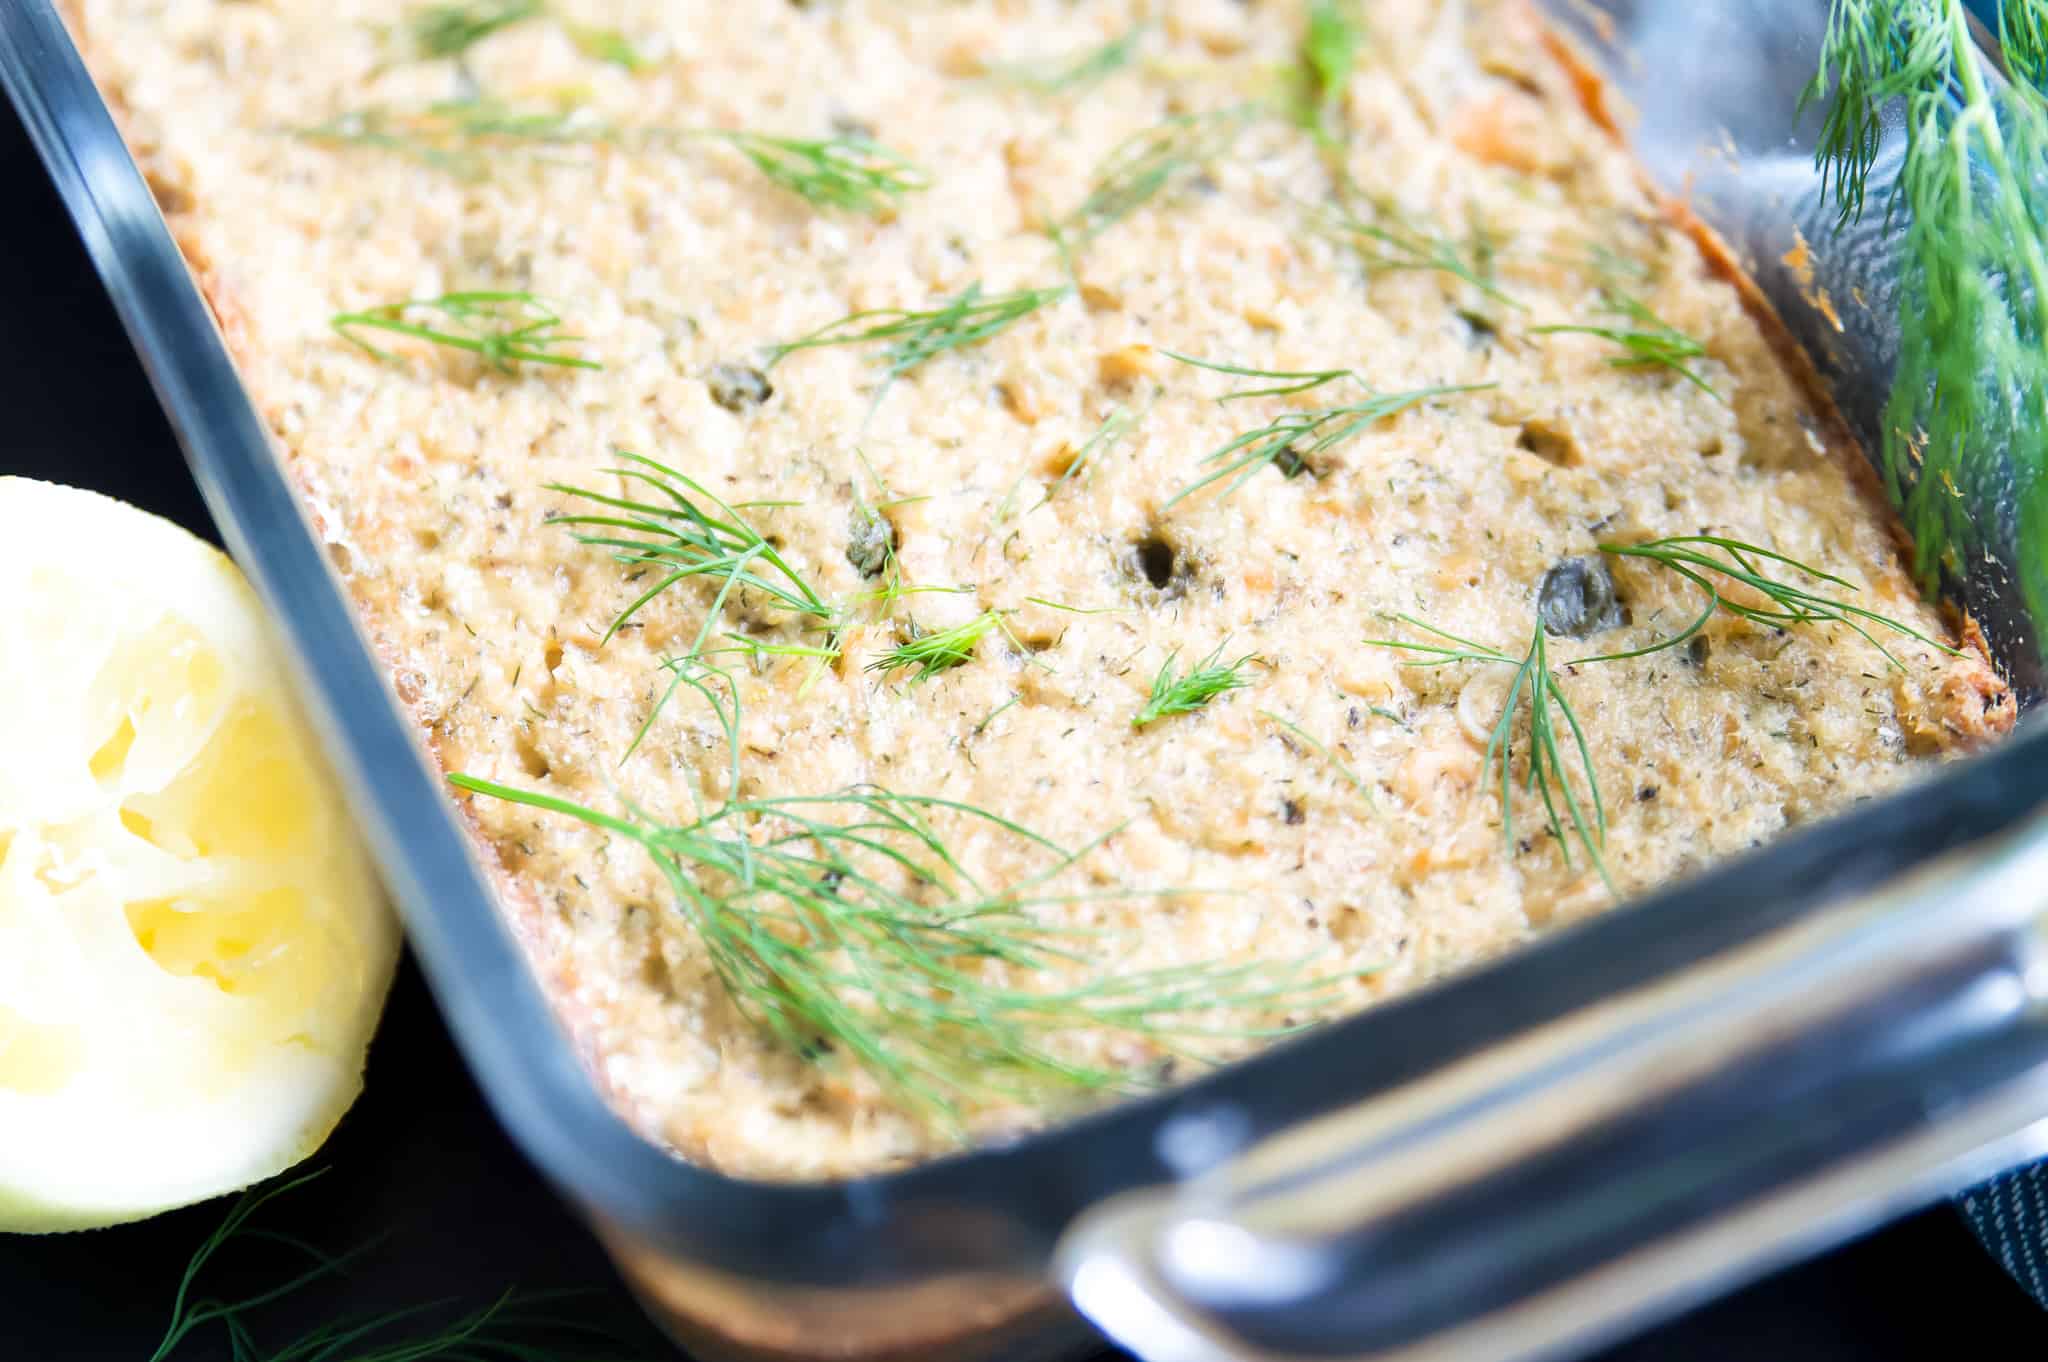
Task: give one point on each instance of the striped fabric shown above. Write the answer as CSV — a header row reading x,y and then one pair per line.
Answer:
x,y
2010,1213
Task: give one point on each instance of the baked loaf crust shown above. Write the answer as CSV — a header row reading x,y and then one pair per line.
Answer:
x,y
428,479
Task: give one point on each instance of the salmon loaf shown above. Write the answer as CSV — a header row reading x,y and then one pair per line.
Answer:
x,y
1168,362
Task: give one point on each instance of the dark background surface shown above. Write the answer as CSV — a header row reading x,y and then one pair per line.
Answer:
x,y
419,1176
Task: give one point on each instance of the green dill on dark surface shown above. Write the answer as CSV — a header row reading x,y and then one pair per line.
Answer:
x,y
1710,562
1076,74
1534,691
503,329
529,1326
1292,441
190,1311
678,538
1648,342
1968,413
1144,166
845,926
1185,692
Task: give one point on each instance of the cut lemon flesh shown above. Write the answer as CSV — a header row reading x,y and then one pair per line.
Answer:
x,y
193,950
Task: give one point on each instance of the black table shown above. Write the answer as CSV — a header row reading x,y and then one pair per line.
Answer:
x,y
419,1172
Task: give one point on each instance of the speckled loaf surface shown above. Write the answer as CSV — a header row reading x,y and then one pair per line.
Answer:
x,y
429,473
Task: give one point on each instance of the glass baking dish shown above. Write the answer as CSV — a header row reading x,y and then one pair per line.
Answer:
x,y
1607,1125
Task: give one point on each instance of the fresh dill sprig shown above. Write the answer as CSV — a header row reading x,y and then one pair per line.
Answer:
x,y
451,30
941,650
1695,558
1329,49
1612,269
604,44
1874,51
756,650
852,173
1648,342
1967,420
1190,690
516,1327
1290,442
847,928
190,1311
909,338
500,328
1107,436
1076,74
2023,39
759,653
1016,698
458,136
1336,763
1143,167
510,1329
1064,608
1534,690
1393,242
678,538
848,172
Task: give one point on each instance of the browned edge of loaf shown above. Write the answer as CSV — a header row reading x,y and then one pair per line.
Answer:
x,y
730,1318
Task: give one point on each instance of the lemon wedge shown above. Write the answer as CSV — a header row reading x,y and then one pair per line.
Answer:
x,y
193,949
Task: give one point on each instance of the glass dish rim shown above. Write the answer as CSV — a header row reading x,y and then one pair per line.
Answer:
x,y
522,1056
